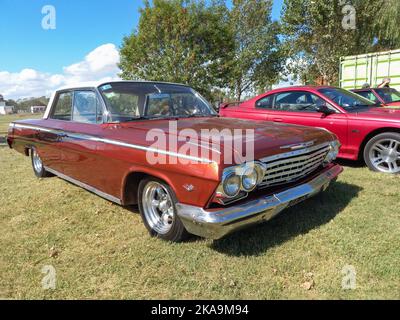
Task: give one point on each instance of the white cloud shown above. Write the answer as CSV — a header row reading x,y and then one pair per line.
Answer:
x,y
99,65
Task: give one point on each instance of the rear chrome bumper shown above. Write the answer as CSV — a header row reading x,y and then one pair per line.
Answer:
x,y
216,223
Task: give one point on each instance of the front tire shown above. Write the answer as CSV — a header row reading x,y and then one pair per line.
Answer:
x,y
37,165
382,153
157,209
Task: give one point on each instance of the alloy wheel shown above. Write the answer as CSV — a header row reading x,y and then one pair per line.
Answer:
x,y
158,207
384,155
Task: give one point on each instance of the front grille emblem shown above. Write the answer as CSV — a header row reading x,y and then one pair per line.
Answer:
x,y
299,145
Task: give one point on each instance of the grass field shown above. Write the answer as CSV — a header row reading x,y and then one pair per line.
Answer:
x,y
5,120
101,250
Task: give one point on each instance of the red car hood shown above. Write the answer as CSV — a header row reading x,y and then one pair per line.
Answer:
x,y
268,138
378,114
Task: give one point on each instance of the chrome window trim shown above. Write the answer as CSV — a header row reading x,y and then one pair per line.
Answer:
x,y
84,185
87,137
294,153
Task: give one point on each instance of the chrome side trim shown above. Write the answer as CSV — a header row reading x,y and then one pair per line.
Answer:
x,y
25,126
87,137
216,223
294,153
84,186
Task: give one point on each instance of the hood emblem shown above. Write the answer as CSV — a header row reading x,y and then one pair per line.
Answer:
x,y
299,145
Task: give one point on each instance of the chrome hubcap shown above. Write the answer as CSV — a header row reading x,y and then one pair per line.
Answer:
x,y
37,162
385,155
158,207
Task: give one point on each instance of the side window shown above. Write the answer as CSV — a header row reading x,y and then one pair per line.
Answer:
x,y
86,107
299,101
62,109
265,103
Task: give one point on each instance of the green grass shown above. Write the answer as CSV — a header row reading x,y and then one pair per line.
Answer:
x,y
104,250
6,119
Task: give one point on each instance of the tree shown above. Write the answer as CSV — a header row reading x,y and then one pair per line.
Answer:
x,y
256,59
387,25
184,41
317,34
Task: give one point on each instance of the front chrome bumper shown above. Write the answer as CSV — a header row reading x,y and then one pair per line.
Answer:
x,y
216,223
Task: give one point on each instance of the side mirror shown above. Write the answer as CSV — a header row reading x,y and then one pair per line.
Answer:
x,y
323,108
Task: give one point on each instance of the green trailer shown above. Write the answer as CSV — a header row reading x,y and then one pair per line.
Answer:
x,y
370,68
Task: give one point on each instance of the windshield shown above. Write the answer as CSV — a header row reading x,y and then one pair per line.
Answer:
x,y
388,94
346,99
128,101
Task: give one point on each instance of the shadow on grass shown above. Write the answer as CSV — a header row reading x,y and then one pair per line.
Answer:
x,y
290,223
351,163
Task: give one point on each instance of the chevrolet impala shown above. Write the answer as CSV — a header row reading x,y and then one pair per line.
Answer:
x,y
142,143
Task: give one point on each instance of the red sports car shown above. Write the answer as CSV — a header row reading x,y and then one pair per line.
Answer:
x,y
385,96
366,132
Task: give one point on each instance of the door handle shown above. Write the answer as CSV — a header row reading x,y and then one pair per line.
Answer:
x,y
61,136
277,119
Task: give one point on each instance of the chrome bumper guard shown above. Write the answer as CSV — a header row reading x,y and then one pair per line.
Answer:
x,y
217,223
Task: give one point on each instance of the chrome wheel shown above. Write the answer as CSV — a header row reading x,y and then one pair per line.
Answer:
x,y
384,155
37,162
158,207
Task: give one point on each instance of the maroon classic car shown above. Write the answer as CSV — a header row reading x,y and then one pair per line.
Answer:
x,y
143,143
365,131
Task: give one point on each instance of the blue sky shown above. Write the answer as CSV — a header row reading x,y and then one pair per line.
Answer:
x,y
81,27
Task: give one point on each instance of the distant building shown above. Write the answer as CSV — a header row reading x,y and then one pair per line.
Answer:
x,y
38,109
5,109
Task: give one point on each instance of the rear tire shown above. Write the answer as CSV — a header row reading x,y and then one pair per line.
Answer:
x,y
382,153
37,165
158,211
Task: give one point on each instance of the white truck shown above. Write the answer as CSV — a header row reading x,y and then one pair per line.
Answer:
x,y
370,68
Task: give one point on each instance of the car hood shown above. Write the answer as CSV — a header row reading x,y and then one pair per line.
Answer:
x,y
378,114
268,138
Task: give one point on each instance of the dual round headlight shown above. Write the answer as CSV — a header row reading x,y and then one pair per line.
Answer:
x,y
231,184
242,178
249,178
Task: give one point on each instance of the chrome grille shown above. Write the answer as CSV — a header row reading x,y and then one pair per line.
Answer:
x,y
291,166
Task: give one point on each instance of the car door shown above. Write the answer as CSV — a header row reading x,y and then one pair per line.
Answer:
x,y
50,136
301,107
79,156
